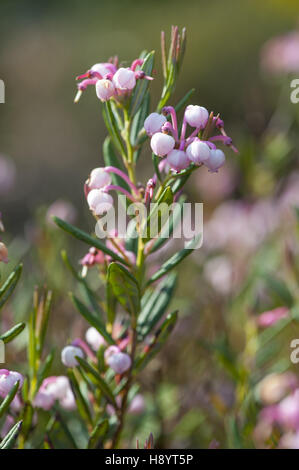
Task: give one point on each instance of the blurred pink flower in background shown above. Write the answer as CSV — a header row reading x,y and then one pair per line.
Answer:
x,y
62,209
205,183
274,387
137,405
271,317
238,225
7,174
52,389
219,272
281,54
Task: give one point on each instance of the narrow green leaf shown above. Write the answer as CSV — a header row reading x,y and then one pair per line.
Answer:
x,y
9,398
11,437
142,85
176,259
82,404
97,380
280,288
168,231
156,160
159,216
9,285
124,287
112,127
12,333
98,433
84,237
157,342
184,100
156,306
111,159
91,318
89,293
45,368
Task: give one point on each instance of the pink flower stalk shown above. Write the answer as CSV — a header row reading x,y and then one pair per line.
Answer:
x,y
117,245
7,381
92,258
68,356
55,389
3,253
180,151
271,317
110,81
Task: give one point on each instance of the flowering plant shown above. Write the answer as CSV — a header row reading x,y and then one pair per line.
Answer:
x,y
127,328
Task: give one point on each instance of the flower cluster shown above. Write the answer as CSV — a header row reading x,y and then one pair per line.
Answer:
x,y
55,389
181,151
111,81
280,395
115,358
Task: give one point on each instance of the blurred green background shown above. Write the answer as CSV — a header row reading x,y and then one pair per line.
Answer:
x,y
44,45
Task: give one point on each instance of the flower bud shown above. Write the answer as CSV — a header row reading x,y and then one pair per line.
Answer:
x,y
105,89
178,160
103,68
7,380
110,351
196,116
162,144
124,79
198,152
3,253
216,160
99,178
99,201
120,362
94,338
153,123
68,356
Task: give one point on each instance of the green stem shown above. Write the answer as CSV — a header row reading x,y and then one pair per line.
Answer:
x,y
129,163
